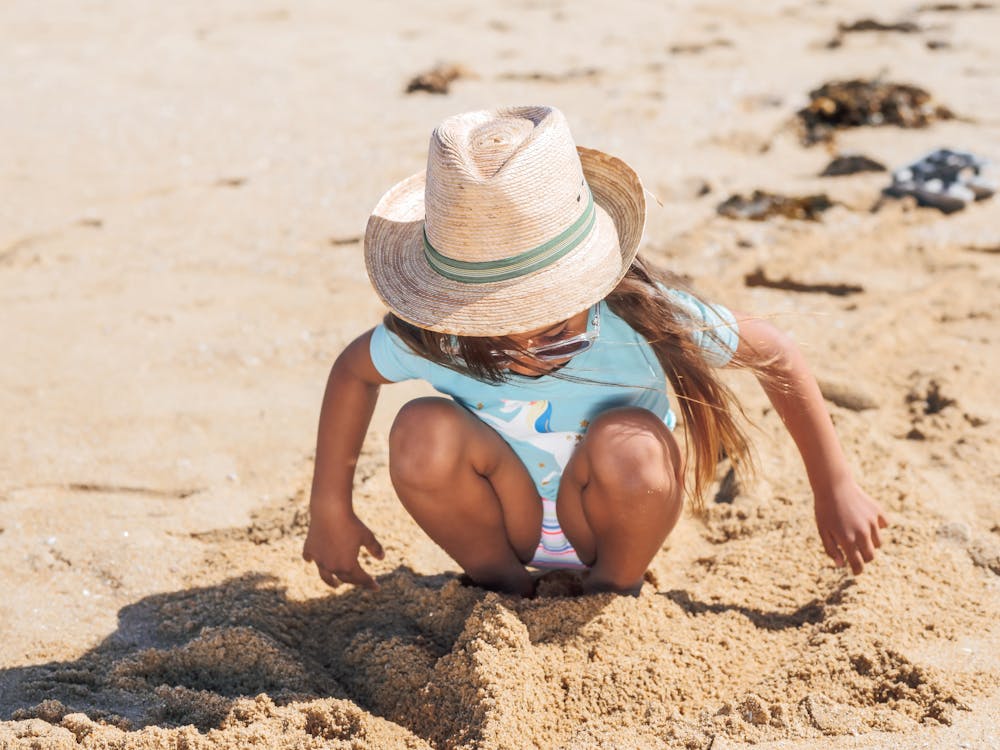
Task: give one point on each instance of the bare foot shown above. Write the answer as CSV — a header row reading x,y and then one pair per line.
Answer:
x,y
594,584
519,585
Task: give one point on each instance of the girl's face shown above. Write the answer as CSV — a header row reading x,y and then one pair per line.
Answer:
x,y
525,364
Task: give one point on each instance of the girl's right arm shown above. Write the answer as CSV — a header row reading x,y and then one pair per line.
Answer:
x,y
336,534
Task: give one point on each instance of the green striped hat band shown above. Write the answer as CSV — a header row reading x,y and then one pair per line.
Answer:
x,y
482,272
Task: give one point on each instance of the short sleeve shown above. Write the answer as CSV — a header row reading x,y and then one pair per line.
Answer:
x,y
716,331
393,359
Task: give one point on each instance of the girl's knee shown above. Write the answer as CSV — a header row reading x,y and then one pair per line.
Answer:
x,y
425,443
632,450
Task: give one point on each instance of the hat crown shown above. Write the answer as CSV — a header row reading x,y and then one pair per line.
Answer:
x,y
500,183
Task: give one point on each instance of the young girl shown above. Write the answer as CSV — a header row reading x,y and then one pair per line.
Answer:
x,y
511,274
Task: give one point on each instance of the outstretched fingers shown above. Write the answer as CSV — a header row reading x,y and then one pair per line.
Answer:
x,y
876,537
355,575
854,556
374,548
854,552
832,549
849,521
328,578
866,547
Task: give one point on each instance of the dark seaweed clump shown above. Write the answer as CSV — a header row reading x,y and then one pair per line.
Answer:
x,y
846,164
437,80
851,104
762,205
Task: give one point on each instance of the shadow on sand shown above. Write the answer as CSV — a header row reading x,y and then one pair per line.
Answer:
x,y
185,657
190,657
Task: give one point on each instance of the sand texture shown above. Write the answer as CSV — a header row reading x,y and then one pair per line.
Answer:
x,y
184,188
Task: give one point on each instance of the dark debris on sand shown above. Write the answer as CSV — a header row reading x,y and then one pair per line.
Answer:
x,y
954,7
850,104
437,80
945,179
845,164
759,277
569,75
870,24
762,205
696,48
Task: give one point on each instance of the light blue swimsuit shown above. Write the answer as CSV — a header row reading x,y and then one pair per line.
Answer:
x,y
543,418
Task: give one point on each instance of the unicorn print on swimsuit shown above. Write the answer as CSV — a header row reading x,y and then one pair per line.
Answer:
x,y
531,423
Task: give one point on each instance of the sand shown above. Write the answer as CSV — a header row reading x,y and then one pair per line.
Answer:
x,y
184,190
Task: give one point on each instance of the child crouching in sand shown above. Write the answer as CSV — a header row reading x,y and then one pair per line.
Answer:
x,y
511,272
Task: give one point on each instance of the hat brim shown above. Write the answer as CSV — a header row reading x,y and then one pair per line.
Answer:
x,y
415,292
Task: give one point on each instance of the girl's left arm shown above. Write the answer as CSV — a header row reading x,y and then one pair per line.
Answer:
x,y
847,518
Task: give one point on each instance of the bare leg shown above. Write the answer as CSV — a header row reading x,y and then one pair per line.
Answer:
x,y
620,496
468,490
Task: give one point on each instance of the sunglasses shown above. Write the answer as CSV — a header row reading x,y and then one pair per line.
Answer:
x,y
556,350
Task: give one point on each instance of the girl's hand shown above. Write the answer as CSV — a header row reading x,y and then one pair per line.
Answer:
x,y
334,543
848,522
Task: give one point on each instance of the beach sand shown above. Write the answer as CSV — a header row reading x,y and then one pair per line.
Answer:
x,y
185,187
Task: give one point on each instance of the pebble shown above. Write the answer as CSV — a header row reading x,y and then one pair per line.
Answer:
x,y
847,396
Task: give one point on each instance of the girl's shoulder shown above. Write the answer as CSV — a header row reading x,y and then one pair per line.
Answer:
x,y
397,361
393,358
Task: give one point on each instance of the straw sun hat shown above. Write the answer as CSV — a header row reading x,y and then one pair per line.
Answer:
x,y
511,227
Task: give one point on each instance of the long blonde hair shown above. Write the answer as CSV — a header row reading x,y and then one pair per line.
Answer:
x,y
708,407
